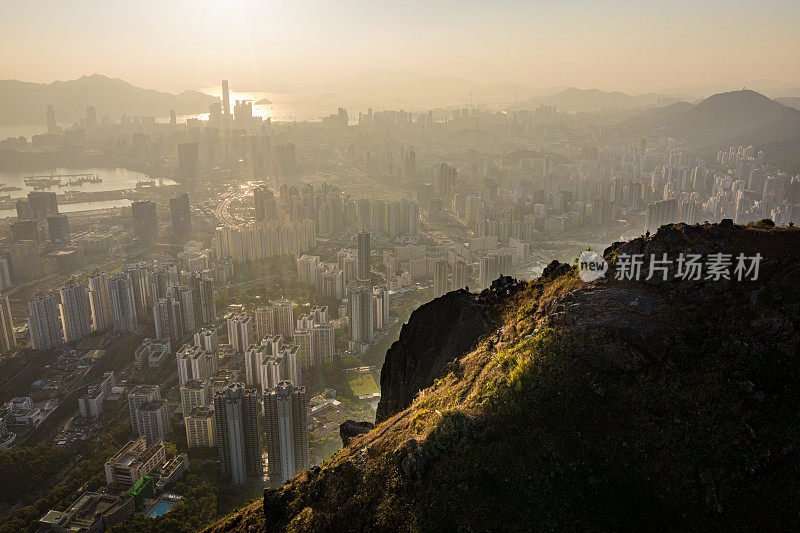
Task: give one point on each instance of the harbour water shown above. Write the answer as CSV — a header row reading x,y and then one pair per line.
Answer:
x,y
113,179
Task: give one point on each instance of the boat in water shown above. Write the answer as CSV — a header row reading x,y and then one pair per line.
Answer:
x,y
45,182
42,182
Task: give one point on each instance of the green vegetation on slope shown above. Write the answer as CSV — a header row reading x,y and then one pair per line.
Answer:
x,y
582,420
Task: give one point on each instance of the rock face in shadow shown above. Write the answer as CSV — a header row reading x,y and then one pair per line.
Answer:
x,y
436,333
351,429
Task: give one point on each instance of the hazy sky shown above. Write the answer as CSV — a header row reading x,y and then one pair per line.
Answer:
x,y
633,46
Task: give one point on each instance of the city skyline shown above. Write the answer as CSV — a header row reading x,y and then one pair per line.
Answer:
x,y
425,266
282,46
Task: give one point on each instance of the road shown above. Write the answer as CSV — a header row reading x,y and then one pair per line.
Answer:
x,y
221,212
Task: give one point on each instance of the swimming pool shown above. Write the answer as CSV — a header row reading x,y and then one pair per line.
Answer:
x,y
159,509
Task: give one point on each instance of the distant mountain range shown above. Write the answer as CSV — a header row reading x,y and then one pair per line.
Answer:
x,y
728,119
790,101
572,99
25,102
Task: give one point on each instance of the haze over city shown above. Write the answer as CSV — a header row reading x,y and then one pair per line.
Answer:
x,y
411,266
321,46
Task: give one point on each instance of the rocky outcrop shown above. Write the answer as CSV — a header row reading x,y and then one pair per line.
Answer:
x,y
436,334
612,405
351,429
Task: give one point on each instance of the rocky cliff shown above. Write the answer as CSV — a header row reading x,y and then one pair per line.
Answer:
x,y
436,334
657,404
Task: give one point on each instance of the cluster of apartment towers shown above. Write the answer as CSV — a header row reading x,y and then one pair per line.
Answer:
x,y
119,302
220,413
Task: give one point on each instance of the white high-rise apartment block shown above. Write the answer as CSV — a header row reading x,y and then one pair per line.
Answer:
x,y
185,295
140,395
264,319
153,420
194,363
284,318
380,312
287,431
307,269
207,338
123,302
76,317
44,322
361,309
100,302
238,443
7,339
272,362
161,319
314,338
240,331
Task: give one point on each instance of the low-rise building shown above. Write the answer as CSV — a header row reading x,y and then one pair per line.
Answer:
x,y
134,460
200,428
92,512
152,353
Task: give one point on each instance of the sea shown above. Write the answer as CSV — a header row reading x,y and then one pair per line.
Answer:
x,y
113,179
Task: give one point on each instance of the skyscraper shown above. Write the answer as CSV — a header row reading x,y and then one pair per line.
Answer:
x,y
264,200
286,414
226,99
440,270
208,339
42,203
200,427
196,393
314,338
161,319
25,230
240,331
100,301
7,339
123,303
76,317
283,311
175,317
489,270
25,262
58,228
140,274
44,322
185,295
236,410
145,222
361,322
254,359
188,160
194,363
181,214
264,318
205,309
380,308
460,274
153,420
140,395
363,255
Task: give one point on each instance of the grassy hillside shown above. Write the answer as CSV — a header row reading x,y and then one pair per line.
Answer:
x,y
604,406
